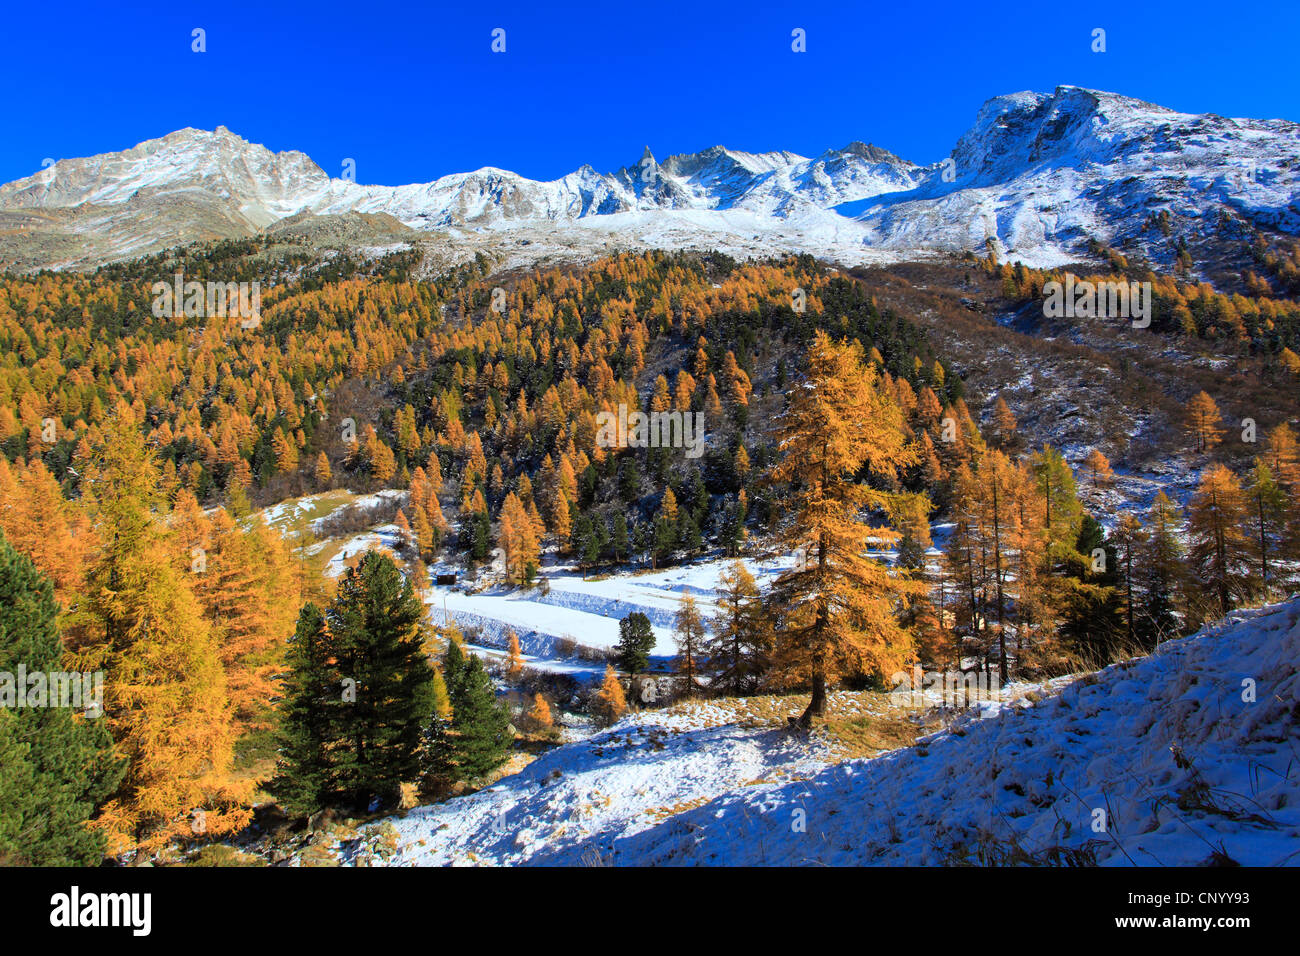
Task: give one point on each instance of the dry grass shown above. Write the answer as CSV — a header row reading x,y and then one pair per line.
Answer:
x,y
871,736
663,813
857,723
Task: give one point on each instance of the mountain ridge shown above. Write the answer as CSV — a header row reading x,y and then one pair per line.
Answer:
x,y
1038,173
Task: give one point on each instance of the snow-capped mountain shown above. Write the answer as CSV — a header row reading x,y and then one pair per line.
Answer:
x,y
1039,173
253,183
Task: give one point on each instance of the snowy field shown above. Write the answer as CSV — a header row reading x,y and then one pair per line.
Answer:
x,y
564,627
574,613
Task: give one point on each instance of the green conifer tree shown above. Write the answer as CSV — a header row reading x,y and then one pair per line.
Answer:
x,y
360,692
480,723
56,764
374,622
303,782
636,640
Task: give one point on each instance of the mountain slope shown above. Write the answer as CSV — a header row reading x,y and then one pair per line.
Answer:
x,y
1039,173
1162,751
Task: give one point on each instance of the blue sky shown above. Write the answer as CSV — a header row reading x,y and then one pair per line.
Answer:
x,y
412,91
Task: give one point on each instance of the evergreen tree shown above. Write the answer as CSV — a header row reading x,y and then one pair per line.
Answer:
x,y
629,480
636,640
438,772
1092,619
359,693
17,780
733,526
480,724
688,533
1129,538
60,765
387,683
1163,574
618,539
311,718
665,539
586,543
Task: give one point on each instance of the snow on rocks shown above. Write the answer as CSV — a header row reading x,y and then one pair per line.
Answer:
x,y
1039,173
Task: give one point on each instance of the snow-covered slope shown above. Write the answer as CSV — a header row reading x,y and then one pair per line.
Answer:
x,y
1163,753
1041,172
1165,760
574,804
250,181
1037,172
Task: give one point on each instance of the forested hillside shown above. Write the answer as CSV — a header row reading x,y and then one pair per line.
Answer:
x,y
140,451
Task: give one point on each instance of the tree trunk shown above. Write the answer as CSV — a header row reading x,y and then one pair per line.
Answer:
x,y
997,559
1263,548
1128,589
816,706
